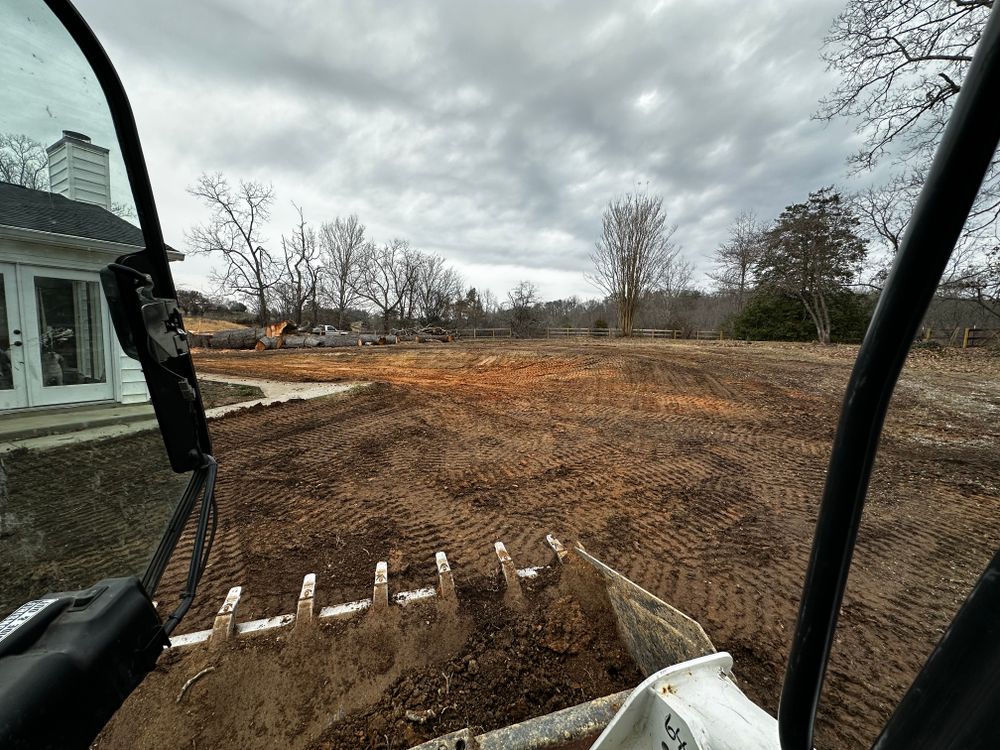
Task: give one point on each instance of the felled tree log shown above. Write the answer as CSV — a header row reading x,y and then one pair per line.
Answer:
x,y
237,338
377,339
423,338
302,341
349,340
267,342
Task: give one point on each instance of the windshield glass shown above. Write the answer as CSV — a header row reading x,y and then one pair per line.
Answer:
x,y
85,486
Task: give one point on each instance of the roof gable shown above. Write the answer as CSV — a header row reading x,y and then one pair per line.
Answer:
x,y
42,211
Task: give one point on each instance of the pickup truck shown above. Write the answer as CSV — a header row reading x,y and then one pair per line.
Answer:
x,y
328,330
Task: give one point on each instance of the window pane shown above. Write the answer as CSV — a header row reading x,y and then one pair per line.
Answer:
x,y
70,329
6,373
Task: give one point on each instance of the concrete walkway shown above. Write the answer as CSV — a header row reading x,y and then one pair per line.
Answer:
x,y
276,392
50,428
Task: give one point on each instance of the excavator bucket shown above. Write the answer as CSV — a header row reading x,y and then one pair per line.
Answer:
x,y
347,670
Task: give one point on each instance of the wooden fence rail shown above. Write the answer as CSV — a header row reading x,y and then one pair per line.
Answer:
x,y
980,337
650,333
966,338
485,333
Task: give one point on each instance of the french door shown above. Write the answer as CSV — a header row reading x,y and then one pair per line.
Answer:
x,y
13,380
62,352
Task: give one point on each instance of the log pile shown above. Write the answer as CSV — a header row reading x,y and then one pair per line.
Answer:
x,y
284,335
425,334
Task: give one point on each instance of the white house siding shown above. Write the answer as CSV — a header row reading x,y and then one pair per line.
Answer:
x,y
133,383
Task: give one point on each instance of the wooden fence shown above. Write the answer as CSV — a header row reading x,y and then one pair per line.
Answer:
x,y
966,338
485,333
648,333
980,337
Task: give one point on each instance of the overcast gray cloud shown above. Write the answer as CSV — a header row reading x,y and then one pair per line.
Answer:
x,y
492,133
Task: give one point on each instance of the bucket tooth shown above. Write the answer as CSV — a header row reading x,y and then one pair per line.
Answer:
x,y
225,621
380,593
557,547
307,600
508,570
446,581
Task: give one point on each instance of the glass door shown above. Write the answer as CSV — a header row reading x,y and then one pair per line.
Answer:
x,y
13,382
68,353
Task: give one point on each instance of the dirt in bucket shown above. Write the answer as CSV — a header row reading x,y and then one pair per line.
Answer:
x,y
388,680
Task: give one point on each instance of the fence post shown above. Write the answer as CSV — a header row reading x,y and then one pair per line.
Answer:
x,y
965,339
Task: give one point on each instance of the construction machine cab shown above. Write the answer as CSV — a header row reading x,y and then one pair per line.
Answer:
x,y
89,323
93,497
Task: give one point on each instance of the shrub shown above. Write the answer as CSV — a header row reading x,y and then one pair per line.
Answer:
x,y
772,316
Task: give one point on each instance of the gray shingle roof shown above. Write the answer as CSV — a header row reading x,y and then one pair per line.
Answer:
x,y
48,212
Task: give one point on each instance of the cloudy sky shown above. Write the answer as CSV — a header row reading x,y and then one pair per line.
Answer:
x,y
491,133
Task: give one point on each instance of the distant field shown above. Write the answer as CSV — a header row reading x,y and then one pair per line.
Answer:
x,y
210,325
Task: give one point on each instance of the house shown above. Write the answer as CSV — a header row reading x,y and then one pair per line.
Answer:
x,y
57,345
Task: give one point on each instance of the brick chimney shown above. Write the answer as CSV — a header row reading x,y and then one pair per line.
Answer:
x,y
80,170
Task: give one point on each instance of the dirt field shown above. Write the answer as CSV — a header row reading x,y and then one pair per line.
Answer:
x,y
695,469
74,514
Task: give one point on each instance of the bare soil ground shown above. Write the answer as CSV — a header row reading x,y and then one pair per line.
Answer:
x,y
695,469
74,514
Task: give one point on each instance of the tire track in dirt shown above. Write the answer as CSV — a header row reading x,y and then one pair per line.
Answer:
x,y
694,469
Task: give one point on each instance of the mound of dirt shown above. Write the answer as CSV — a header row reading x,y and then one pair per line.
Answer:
x,y
387,681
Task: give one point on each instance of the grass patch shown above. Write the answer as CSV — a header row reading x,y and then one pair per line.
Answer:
x,y
214,393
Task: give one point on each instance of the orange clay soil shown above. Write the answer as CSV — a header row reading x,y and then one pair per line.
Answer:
x,y
694,469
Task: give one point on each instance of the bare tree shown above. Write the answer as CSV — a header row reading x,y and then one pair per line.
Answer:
x,y
387,274
524,303
234,231
664,304
23,161
735,259
885,213
342,243
635,254
901,64
438,285
813,252
413,262
301,273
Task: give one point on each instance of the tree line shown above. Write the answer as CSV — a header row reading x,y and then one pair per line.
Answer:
x,y
336,266
811,254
